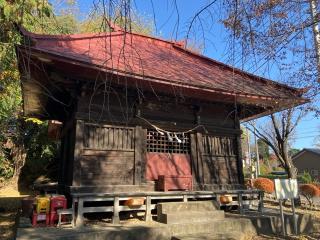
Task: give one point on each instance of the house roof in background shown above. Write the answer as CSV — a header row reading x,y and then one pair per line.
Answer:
x,y
312,150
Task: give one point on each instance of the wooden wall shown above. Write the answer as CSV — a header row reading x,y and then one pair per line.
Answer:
x,y
111,142
166,111
215,161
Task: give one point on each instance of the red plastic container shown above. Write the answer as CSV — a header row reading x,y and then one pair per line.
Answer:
x,y
56,202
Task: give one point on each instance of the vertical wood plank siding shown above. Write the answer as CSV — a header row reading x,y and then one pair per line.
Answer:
x,y
220,160
214,160
110,155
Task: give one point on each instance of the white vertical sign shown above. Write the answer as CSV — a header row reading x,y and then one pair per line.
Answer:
x,y
286,188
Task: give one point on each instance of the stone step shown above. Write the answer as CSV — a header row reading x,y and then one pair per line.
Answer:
x,y
190,216
213,236
226,225
173,207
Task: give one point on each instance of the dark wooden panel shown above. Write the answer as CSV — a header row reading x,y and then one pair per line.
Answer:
x,y
107,153
114,107
219,159
101,180
106,137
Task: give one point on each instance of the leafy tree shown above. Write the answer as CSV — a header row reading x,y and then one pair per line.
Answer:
x,y
16,133
263,149
293,151
121,14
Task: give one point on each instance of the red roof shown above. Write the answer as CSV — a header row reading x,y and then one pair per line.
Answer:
x,y
159,60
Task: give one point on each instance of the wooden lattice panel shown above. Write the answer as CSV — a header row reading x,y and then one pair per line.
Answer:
x,y
157,142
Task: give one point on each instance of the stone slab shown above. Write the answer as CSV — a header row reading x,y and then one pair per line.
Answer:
x,y
174,207
190,216
135,232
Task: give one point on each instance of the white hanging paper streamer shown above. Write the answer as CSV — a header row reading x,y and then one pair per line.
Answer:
x,y
176,137
169,137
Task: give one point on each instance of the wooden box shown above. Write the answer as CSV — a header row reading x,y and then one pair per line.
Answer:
x,y
174,182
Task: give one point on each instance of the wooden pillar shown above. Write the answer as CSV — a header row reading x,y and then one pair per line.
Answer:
x,y
239,160
77,152
261,205
62,160
79,218
115,218
143,155
185,198
240,202
138,155
194,161
200,160
148,216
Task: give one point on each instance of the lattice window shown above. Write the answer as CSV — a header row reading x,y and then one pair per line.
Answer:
x,y
156,142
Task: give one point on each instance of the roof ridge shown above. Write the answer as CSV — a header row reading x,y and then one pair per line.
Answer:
x,y
25,32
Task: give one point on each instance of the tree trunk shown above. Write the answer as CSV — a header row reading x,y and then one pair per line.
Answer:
x,y
18,154
316,34
291,170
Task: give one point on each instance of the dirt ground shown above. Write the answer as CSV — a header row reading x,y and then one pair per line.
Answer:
x,y
9,207
8,225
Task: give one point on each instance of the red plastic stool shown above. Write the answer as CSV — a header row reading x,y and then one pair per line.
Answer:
x,y
56,203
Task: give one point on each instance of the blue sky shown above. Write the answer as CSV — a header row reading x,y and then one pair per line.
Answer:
x,y
170,26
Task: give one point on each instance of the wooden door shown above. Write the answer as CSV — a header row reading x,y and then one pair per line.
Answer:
x,y
167,155
214,160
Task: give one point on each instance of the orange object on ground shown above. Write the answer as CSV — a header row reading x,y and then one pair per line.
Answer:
x,y
133,202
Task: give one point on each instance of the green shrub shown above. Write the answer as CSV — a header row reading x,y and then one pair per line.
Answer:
x,y
273,176
305,178
264,169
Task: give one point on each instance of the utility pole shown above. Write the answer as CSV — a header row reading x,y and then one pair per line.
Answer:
x,y
316,34
257,152
249,154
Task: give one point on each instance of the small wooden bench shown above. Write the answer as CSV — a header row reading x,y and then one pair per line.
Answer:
x,y
61,212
